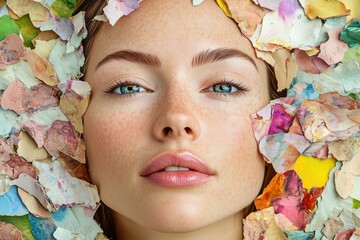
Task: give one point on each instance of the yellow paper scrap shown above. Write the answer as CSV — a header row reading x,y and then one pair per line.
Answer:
x,y
325,9
28,149
354,6
285,68
312,52
314,172
224,7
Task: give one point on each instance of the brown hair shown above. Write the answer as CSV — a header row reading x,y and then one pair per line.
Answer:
x,y
94,8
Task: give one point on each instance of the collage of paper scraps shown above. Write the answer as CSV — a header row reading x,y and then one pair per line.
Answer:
x,y
312,136
44,184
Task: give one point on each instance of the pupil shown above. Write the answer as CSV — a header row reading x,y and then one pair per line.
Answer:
x,y
223,88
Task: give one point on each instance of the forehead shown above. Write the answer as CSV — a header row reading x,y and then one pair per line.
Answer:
x,y
159,27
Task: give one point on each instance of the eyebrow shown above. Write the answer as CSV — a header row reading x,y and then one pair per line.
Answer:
x,y
204,57
219,54
132,56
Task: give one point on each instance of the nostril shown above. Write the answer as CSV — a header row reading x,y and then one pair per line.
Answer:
x,y
187,130
166,131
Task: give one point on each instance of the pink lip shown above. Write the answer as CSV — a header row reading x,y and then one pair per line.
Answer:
x,y
198,172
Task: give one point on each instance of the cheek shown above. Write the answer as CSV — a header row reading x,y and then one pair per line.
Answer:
x,y
107,137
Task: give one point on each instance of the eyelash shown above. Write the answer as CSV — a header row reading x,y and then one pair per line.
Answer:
x,y
241,89
120,83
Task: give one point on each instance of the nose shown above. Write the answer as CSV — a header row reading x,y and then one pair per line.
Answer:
x,y
176,121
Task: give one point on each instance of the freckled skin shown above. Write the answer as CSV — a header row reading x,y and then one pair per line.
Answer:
x,y
124,133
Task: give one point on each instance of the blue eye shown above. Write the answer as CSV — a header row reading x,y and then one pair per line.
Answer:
x,y
128,89
223,88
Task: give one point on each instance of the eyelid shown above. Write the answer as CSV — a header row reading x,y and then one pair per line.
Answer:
x,y
125,81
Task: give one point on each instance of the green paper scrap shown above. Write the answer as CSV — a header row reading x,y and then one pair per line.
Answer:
x,y
351,34
27,29
356,203
7,26
64,8
352,54
22,223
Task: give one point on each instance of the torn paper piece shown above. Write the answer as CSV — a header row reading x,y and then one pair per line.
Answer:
x,y
310,198
344,79
74,107
351,34
63,189
324,9
274,189
312,171
263,119
8,26
42,68
322,122
317,150
282,150
351,219
43,47
344,150
289,216
11,50
77,221
7,76
8,124
61,26
309,64
37,12
63,9
332,226
80,87
28,149
262,225
334,49
197,2
352,54
19,166
63,234
42,228
328,205
247,14
10,232
75,168
33,205
115,9
61,138
300,235
38,123
302,91
330,23
4,183
67,65
11,204
33,187
285,68
287,27
79,33
346,234
24,73
269,4
6,149
21,99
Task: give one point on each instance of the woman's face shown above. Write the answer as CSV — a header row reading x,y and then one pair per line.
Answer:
x,y
184,93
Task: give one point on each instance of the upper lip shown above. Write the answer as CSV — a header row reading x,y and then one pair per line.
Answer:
x,y
168,159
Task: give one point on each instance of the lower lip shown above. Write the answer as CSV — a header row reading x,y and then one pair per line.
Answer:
x,y
178,178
